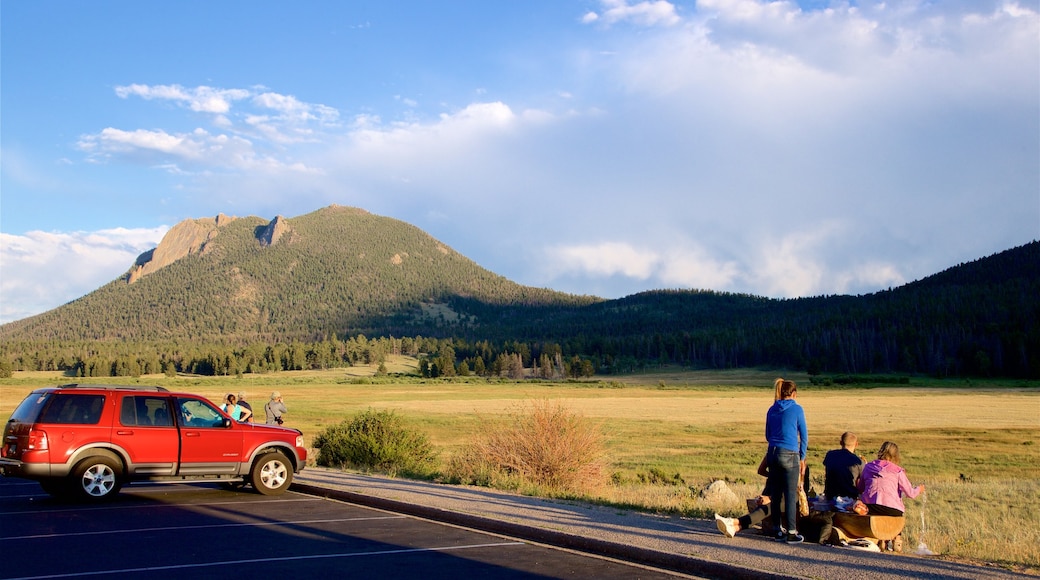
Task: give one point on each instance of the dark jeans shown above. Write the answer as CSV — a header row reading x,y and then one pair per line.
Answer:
x,y
826,520
784,468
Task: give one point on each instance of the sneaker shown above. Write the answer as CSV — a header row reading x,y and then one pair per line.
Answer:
x,y
795,538
728,526
781,535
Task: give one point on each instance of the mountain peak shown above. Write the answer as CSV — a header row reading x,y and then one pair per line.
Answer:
x,y
186,238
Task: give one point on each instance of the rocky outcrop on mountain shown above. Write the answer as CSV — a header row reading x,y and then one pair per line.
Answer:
x,y
186,238
273,232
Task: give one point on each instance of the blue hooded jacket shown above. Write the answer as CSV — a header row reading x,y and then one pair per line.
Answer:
x,y
785,427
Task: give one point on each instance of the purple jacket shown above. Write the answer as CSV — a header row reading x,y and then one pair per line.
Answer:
x,y
884,483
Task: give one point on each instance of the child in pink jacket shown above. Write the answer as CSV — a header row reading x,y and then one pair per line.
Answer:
x,y
883,483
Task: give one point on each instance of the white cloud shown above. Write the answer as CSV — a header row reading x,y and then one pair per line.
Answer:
x,y
202,99
198,148
451,136
289,124
606,259
683,266
647,13
43,270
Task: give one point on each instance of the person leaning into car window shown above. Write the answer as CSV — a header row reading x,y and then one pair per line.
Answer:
x,y
232,408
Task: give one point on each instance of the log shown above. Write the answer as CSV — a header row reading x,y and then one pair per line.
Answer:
x,y
877,527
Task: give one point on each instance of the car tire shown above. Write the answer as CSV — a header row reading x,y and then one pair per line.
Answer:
x,y
97,478
272,474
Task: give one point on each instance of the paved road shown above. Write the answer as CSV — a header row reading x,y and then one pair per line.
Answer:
x,y
205,531
689,545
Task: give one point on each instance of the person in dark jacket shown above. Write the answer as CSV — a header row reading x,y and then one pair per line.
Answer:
x,y
842,468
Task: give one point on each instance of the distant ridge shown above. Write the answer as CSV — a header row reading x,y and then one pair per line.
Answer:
x,y
341,272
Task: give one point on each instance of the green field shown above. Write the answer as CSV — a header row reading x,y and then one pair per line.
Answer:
x,y
975,445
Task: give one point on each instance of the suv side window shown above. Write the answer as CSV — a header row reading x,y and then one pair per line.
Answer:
x,y
73,409
195,413
145,411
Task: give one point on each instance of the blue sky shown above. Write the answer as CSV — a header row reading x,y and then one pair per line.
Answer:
x,y
600,147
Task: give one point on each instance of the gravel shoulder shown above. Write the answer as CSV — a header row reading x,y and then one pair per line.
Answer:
x,y
687,545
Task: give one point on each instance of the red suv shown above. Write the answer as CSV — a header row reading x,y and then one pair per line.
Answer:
x,y
88,440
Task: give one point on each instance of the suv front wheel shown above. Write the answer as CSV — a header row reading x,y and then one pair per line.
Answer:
x,y
272,473
97,477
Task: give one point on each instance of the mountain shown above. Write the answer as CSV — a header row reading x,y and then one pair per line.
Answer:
x,y
340,272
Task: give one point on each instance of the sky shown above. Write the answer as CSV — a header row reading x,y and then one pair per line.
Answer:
x,y
602,147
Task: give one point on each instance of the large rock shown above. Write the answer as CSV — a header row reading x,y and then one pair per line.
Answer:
x,y
186,238
273,232
719,494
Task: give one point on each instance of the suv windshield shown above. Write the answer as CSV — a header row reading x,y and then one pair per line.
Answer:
x,y
29,408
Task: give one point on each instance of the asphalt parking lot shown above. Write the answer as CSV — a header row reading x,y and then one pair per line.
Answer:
x,y
206,531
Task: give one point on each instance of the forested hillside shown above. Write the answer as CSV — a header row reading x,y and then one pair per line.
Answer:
x,y
335,271
340,286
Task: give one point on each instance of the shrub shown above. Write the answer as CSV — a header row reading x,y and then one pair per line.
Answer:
x,y
374,440
547,446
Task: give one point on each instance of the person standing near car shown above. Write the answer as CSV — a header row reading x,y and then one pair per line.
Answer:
x,y
788,438
233,409
275,409
242,403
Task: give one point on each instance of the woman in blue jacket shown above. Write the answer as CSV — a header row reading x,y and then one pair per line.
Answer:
x,y
788,438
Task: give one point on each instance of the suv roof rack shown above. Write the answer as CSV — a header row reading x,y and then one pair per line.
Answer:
x,y
115,387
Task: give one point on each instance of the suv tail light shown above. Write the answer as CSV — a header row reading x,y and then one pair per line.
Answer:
x,y
38,440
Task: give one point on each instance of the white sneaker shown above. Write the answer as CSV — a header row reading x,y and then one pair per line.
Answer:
x,y
727,526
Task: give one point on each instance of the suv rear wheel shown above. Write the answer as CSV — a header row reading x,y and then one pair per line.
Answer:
x,y
97,477
272,473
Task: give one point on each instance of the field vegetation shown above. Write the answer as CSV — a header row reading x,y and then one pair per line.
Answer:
x,y
666,436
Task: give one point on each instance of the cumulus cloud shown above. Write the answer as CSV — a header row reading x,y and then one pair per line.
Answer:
x,y
607,259
453,138
682,266
43,270
202,99
255,112
647,13
198,149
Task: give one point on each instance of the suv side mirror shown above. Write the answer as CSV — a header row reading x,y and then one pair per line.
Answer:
x,y
227,423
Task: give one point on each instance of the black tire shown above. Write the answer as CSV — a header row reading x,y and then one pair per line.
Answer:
x,y
271,474
96,478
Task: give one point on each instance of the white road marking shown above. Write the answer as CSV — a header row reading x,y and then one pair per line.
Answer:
x,y
206,527
110,507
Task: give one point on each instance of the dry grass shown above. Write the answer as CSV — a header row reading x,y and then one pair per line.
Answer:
x,y
977,449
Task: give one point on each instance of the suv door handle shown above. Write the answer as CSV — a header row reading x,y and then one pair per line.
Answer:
x,y
191,433
124,432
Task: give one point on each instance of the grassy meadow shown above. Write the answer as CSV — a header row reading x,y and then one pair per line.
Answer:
x,y
975,445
